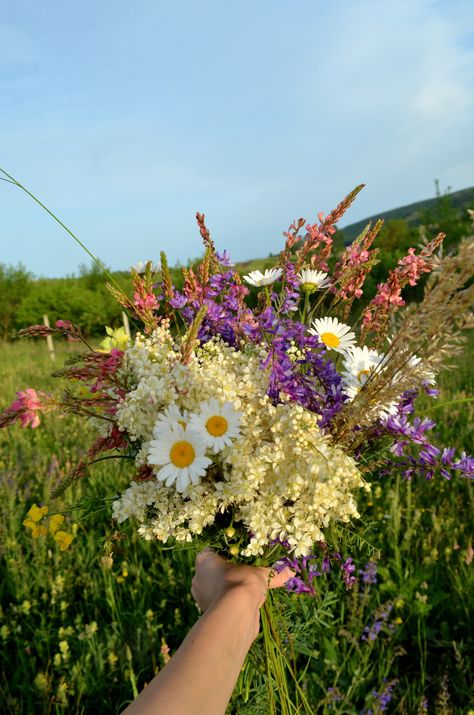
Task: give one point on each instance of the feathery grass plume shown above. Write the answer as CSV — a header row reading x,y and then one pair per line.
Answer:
x,y
121,298
430,334
320,235
376,317
191,337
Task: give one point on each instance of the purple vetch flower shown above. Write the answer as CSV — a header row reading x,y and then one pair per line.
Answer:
x,y
290,294
224,258
383,698
335,695
348,569
307,569
311,380
381,615
369,572
417,456
178,300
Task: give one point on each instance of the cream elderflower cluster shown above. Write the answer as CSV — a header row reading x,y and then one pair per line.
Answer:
x,y
281,477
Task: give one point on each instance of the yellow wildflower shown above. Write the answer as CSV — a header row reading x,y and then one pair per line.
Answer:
x,y
36,529
63,539
55,522
115,339
25,607
112,658
36,513
42,683
90,629
61,693
4,632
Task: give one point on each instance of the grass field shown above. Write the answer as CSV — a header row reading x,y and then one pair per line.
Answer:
x,y
83,630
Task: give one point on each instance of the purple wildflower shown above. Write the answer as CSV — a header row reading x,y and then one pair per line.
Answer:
x,y
380,618
224,258
369,572
178,300
348,569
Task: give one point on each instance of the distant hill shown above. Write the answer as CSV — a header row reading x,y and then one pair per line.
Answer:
x,y
411,213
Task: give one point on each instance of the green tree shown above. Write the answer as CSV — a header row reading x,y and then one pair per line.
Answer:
x,y
15,285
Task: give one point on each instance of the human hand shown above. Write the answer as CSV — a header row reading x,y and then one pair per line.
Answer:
x,y
214,576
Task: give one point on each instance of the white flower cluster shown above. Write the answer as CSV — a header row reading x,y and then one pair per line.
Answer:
x,y
281,477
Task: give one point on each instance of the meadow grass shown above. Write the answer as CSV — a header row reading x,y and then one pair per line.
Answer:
x,y
83,630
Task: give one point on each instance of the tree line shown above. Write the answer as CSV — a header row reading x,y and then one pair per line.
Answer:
x,y
84,299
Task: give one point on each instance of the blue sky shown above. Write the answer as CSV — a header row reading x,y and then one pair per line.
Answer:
x,y
126,118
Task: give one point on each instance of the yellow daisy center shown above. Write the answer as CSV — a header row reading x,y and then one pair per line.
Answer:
x,y
330,339
182,454
362,375
309,287
217,425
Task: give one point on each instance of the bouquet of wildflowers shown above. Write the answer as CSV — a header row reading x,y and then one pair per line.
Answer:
x,y
257,425
255,407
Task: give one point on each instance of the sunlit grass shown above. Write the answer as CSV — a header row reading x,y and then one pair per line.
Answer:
x,y
83,630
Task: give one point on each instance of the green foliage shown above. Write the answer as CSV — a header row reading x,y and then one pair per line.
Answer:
x,y
83,630
15,285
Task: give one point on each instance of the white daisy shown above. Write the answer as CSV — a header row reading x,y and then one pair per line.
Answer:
x,y
217,423
180,454
141,267
335,335
258,279
313,280
358,365
171,415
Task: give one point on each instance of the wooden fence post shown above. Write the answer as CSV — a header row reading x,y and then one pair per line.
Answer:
x,y
49,339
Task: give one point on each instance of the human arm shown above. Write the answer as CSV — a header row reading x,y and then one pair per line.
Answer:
x,y
200,677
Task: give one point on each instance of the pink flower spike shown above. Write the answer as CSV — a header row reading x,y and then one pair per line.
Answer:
x,y
27,404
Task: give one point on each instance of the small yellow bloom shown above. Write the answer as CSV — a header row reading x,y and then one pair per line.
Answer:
x,y
36,529
25,607
41,682
234,550
115,339
63,539
4,632
55,522
398,621
36,513
112,658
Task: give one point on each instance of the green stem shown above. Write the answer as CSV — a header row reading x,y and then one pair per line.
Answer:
x,y
16,183
449,403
